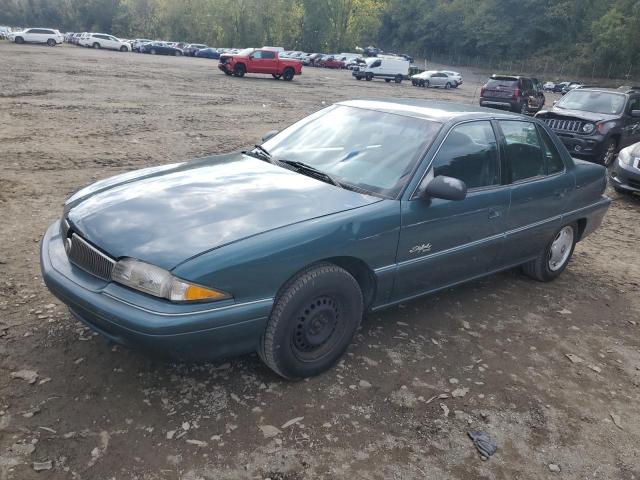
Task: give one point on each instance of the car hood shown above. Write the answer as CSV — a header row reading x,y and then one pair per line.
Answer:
x,y
168,214
556,112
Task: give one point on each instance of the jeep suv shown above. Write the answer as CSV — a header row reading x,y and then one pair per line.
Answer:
x,y
595,123
515,93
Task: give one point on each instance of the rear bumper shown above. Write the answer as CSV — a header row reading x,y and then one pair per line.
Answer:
x,y
499,103
203,331
625,177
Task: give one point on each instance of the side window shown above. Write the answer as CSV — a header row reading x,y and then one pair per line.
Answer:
x,y
523,149
269,55
634,104
553,160
377,63
470,154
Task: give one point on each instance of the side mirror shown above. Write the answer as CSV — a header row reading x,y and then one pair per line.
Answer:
x,y
635,113
446,188
269,134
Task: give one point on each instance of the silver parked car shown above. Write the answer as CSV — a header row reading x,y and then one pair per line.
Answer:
x,y
432,78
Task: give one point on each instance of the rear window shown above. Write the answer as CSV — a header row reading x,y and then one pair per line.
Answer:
x,y
502,82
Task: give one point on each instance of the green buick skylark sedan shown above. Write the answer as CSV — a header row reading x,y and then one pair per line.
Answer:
x,y
282,249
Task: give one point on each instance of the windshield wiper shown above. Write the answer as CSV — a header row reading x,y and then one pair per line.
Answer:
x,y
260,152
311,171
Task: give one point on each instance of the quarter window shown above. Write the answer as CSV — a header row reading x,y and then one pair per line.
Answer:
x,y
523,149
470,154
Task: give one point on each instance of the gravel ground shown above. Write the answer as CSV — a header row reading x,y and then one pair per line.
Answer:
x,y
490,355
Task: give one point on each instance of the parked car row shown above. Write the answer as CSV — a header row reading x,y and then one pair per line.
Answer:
x,y
561,87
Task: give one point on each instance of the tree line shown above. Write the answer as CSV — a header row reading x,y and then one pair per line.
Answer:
x,y
595,32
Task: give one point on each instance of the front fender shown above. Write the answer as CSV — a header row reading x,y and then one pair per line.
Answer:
x,y
255,268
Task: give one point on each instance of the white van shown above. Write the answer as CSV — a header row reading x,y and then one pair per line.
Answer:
x,y
389,68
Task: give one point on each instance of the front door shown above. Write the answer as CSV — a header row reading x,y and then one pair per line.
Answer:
x,y
631,128
443,242
264,61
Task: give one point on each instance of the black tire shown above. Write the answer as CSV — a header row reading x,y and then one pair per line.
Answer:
x,y
358,78
177,53
609,152
524,108
288,74
388,80
539,268
51,42
19,40
96,45
425,83
368,77
277,77
447,86
227,72
398,79
239,70
123,48
312,322
152,51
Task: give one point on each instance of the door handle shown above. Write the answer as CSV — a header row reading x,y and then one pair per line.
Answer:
x,y
494,214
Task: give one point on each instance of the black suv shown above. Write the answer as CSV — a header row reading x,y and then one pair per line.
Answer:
x,y
595,123
515,93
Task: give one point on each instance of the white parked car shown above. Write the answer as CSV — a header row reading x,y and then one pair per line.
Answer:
x,y
102,40
455,76
37,35
548,86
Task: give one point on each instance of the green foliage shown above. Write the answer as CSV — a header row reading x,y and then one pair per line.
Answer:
x,y
577,32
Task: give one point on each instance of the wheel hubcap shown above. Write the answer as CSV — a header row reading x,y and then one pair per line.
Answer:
x,y
609,155
316,329
560,248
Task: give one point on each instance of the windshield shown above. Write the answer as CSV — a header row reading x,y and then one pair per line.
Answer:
x,y
502,82
367,149
590,101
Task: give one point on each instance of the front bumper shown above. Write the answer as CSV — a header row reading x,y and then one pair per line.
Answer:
x,y
196,331
588,147
625,177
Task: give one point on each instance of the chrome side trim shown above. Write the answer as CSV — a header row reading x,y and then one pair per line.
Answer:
x,y
182,314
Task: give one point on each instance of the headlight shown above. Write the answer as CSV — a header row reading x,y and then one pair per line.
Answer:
x,y
158,282
588,127
625,156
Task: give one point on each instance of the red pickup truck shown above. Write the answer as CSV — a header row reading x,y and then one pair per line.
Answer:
x,y
251,60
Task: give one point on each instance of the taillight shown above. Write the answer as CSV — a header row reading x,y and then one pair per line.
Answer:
x,y
516,92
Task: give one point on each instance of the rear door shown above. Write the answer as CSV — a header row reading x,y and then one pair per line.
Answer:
x,y
443,242
539,189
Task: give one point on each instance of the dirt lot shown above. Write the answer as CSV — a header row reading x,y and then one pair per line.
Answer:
x,y
69,116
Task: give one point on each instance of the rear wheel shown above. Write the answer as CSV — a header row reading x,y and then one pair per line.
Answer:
x,y
398,79
51,42
447,86
388,80
19,40
239,71
96,45
555,257
312,322
425,83
288,74
609,152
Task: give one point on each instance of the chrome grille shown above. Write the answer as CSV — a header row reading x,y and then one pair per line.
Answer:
x,y
88,258
564,125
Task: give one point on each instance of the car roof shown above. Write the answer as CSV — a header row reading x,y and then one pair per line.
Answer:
x,y
438,111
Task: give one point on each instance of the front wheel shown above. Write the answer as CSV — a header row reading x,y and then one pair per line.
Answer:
x,y
239,70
555,257
447,86
369,77
388,80
153,51
51,42
19,40
312,322
96,45
288,74
177,53
123,48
